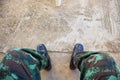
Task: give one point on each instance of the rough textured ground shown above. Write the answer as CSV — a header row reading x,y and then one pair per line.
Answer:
x,y
27,23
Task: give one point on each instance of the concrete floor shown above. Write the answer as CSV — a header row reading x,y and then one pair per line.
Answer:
x,y
27,23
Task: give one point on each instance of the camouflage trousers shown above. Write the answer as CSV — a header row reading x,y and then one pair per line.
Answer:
x,y
97,66
25,64
22,64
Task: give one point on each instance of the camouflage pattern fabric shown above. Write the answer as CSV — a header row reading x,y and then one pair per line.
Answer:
x,y
22,64
97,66
25,64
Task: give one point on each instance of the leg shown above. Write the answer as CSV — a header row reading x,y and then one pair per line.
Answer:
x,y
96,66
23,64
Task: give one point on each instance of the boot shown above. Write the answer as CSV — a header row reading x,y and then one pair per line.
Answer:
x,y
42,48
77,48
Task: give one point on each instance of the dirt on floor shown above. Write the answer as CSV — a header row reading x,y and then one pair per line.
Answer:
x,y
27,23
94,23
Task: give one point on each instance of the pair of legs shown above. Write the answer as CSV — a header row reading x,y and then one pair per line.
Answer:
x,y
25,64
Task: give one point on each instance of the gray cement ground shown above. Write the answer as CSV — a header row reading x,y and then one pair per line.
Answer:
x,y
27,23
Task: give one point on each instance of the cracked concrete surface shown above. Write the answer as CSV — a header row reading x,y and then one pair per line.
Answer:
x,y
27,23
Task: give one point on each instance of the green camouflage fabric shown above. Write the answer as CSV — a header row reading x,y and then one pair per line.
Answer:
x,y
97,66
22,64
25,64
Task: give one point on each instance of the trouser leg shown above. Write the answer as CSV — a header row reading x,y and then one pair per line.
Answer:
x,y
97,66
22,64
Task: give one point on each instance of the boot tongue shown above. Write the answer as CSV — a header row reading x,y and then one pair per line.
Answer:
x,y
80,47
40,48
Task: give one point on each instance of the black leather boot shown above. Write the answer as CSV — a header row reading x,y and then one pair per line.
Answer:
x,y
42,48
77,48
